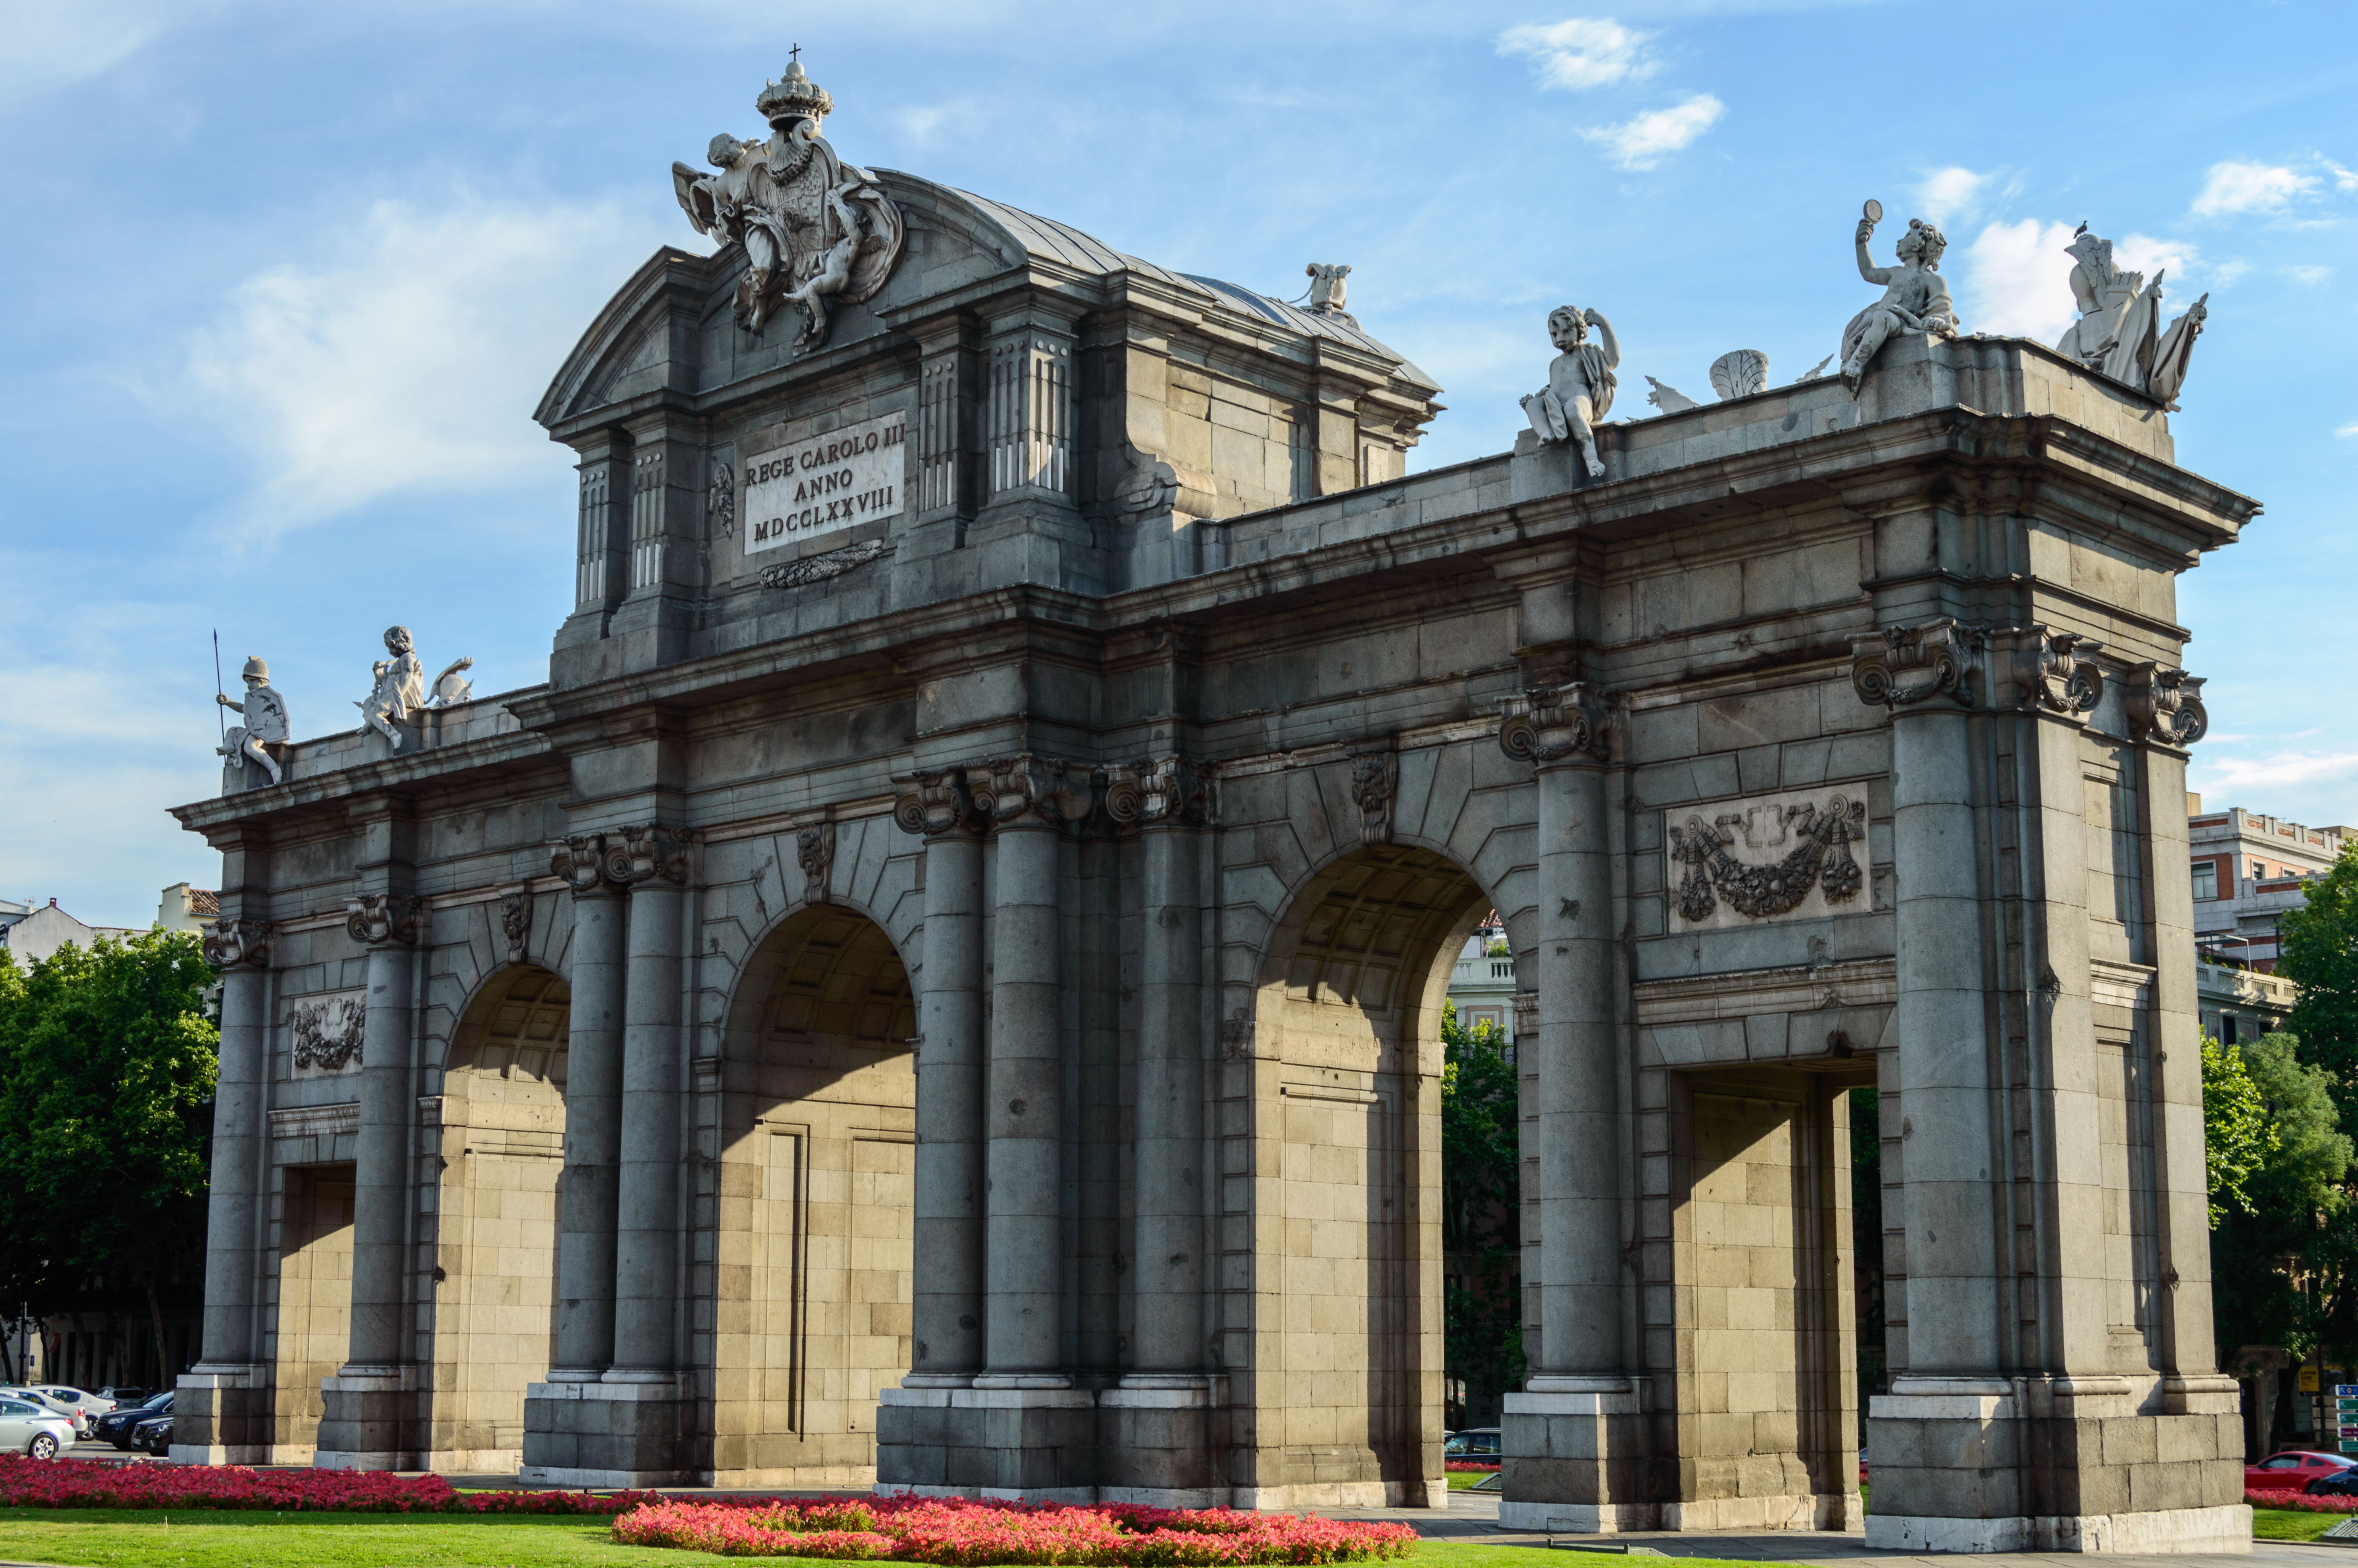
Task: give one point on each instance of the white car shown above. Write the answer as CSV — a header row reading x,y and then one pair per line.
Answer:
x,y
87,1407
26,1427
76,1417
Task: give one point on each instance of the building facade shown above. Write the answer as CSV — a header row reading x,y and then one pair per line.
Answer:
x,y
943,984
2249,869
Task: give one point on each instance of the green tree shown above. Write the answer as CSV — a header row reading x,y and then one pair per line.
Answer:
x,y
1482,1318
2237,1137
2318,951
106,1077
2282,1266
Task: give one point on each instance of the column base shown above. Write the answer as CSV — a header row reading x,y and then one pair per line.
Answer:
x,y
1025,1443
605,1434
366,1411
1574,1460
2057,1464
222,1415
1154,1433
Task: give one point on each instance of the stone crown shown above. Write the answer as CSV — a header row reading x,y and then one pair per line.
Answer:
x,y
793,97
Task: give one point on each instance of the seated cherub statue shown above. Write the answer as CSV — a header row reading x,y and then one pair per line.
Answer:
x,y
1579,393
1915,297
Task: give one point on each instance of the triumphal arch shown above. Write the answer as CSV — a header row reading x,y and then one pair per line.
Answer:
x,y
941,986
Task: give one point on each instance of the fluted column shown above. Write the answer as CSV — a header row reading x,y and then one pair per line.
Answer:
x,y
647,1214
948,1287
594,1115
1024,1086
241,949
388,924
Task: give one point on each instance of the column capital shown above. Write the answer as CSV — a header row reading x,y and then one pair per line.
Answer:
x,y
1160,792
2053,672
1909,667
1562,723
2165,706
238,944
939,804
384,919
580,861
653,852
1027,786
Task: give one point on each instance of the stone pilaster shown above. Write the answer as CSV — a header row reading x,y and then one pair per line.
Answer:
x,y
667,517
367,1403
1574,1437
1156,1427
221,1411
593,1140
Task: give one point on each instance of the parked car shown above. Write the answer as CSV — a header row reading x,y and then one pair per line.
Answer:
x,y
115,1426
28,1427
92,1406
2294,1470
125,1395
1473,1443
42,1396
154,1437
2342,1483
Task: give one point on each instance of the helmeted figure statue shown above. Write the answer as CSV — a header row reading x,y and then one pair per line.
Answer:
x,y
1579,393
265,726
816,229
2119,332
400,689
1915,295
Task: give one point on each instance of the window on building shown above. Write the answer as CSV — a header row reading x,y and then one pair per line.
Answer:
x,y
2227,1029
2206,879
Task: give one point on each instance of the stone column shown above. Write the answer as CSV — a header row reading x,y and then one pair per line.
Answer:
x,y
1155,1437
218,1416
1572,1437
593,1116
360,1426
647,1222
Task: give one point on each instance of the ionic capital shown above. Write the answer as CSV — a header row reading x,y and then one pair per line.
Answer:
x,y
1028,790
2165,706
1905,666
580,861
940,804
237,943
653,852
1555,723
1166,791
384,919
2055,672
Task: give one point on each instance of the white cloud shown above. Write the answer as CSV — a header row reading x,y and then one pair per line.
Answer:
x,y
47,44
2016,281
1581,52
1947,194
2228,272
2343,178
2250,188
409,357
2312,275
2281,770
1646,140
2351,429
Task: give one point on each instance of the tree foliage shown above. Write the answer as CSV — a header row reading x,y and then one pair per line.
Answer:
x,y
106,1074
1480,1199
2318,951
2237,1137
2284,1266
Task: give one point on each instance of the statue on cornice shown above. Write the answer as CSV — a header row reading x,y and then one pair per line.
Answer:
x,y
1579,393
816,229
399,690
266,731
1915,295
2119,332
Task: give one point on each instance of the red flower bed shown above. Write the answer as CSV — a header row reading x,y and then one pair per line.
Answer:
x,y
2301,1501
1471,1463
959,1532
27,1483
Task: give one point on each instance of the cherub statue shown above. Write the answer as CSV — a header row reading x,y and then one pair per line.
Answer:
x,y
1579,391
264,712
400,689
1915,297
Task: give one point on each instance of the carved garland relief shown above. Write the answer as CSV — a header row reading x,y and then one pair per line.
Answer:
x,y
326,1033
1766,858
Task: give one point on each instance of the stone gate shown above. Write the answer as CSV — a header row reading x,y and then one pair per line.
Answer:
x,y
942,986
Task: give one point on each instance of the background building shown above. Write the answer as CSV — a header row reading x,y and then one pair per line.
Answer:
x,y
2248,869
1482,987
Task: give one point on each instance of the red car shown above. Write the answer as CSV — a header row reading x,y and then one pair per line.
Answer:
x,y
2293,1470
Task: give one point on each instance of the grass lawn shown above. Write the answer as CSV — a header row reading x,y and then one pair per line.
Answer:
x,y
2292,1524
1466,1480
112,1538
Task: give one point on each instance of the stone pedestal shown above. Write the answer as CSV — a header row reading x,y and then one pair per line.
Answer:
x,y
1156,1435
224,1411
1571,1457
365,1411
2057,1464
994,1439
607,1433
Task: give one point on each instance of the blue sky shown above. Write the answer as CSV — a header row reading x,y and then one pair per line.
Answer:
x,y
283,283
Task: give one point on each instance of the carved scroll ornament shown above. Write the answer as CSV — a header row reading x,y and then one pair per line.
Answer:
x,y
378,918
939,804
1550,723
1901,667
1173,790
1014,788
229,943
1820,859
2057,671
2165,704
646,854
580,861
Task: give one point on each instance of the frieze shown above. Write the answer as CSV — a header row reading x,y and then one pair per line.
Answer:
x,y
1766,858
326,1033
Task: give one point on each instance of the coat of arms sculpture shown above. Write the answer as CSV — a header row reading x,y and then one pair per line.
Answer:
x,y
816,229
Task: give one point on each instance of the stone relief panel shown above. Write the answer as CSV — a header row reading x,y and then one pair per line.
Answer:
x,y
1778,857
325,1034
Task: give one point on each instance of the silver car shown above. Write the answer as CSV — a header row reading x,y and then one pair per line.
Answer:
x,y
48,1399
34,1429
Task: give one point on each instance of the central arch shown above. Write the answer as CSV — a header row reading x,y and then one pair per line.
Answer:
x,y
812,1300
1347,1360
